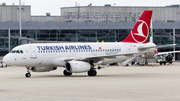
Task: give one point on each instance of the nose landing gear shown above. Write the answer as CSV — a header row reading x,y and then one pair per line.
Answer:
x,y
28,74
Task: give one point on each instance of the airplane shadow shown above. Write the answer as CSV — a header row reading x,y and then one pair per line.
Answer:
x,y
147,75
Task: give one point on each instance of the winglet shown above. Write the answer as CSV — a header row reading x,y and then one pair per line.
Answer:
x,y
140,31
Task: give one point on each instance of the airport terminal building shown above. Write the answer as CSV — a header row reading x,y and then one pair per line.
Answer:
x,y
87,24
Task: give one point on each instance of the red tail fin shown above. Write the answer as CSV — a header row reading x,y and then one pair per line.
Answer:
x,y
140,31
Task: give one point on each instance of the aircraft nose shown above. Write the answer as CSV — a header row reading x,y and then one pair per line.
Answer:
x,y
6,59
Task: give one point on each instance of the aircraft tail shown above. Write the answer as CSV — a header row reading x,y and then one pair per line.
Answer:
x,y
140,31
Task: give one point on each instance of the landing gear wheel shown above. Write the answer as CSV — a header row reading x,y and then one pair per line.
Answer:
x,y
146,63
67,73
28,75
92,73
132,63
99,67
171,62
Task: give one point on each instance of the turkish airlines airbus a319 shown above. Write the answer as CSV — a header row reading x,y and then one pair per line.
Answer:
x,y
84,57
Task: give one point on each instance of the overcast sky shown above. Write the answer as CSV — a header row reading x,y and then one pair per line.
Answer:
x,y
40,7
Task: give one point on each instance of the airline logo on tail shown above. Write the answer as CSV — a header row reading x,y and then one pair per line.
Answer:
x,y
140,31
139,34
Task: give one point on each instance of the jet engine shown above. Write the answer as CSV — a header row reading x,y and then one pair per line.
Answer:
x,y
77,66
43,69
169,58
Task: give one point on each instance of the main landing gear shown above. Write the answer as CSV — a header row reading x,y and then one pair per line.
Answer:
x,y
162,62
92,73
67,73
28,74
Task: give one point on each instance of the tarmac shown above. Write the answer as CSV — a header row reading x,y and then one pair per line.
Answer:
x,y
115,83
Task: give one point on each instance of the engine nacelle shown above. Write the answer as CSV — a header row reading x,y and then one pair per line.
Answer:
x,y
43,69
77,66
169,58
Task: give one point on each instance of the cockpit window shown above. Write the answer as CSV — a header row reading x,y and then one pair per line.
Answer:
x,y
17,51
21,51
13,51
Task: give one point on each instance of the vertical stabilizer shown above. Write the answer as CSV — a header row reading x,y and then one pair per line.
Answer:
x,y
140,31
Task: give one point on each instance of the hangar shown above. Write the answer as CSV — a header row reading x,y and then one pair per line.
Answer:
x,y
87,24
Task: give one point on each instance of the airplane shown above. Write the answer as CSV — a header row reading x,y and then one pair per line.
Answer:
x,y
84,57
160,57
166,57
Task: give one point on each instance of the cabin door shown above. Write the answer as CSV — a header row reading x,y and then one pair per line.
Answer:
x,y
33,52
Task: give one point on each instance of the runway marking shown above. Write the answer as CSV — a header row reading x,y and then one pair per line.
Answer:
x,y
130,85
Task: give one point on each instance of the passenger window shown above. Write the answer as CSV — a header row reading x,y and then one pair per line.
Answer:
x,y
21,51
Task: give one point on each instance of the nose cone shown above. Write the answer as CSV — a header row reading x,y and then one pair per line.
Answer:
x,y
6,59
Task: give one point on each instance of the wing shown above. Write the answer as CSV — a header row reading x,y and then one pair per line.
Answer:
x,y
105,56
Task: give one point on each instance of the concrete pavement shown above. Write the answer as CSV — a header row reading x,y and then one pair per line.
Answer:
x,y
116,83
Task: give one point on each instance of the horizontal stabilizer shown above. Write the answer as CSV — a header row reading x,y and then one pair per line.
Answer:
x,y
161,53
144,48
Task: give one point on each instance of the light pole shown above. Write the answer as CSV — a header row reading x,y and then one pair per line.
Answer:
x,y
20,18
174,42
9,39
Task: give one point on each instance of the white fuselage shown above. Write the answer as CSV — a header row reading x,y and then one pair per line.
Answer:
x,y
55,54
